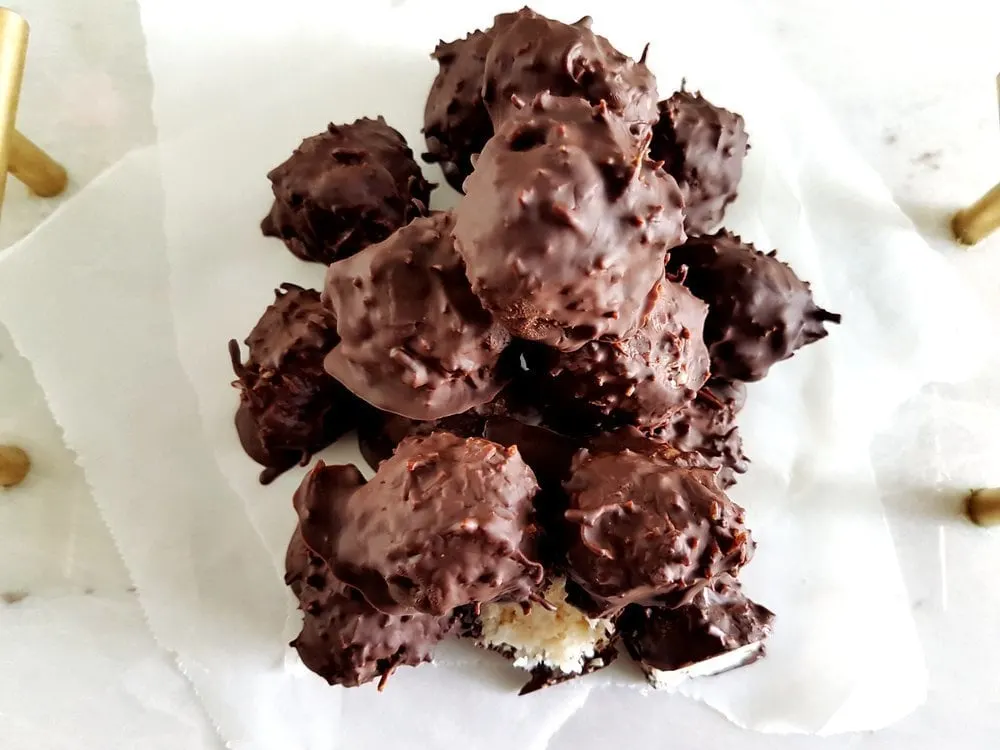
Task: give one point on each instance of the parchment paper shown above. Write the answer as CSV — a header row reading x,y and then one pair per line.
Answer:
x,y
845,655
85,299
202,541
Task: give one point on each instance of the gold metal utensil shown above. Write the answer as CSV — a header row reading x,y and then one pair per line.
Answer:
x,y
983,507
982,218
14,466
18,155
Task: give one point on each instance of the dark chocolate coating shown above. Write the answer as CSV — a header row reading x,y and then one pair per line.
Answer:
x,y
289,407
641,527
641,380
456,123
445,522
414,338
760,312
544,676
653,444
707,426
716,619
564,224
703,147
631,439
548,453
535,54
344,189
379,432
344,639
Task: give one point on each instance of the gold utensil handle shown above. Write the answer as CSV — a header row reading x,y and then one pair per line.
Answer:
x,y
13,47
18,155
14,466
982,218
974,223
35,168
983,507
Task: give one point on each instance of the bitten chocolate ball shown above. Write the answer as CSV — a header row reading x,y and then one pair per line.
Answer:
x,y
759,312
703,147
445,522
344,639
289,406
344,189
640,380
535,54
555,643
565,224
456,123
707,426
415,340
641,528
716,629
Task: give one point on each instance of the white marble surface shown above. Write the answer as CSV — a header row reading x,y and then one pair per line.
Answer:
x,y
912,84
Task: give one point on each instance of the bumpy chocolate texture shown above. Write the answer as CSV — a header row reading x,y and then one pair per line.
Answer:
x,y
641,380
565,224
707,426
504,420
379,432
345,189
760,312
414,339
289,406
535,54
344,639
703,147
716,620
445,522
456,123
641,528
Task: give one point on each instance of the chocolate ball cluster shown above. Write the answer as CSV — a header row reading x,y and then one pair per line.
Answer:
x,y
545,380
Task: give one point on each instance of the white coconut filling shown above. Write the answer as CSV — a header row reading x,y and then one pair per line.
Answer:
x,y
663,680
563,640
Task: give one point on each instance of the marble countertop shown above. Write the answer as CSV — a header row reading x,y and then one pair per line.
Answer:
x,y
912,85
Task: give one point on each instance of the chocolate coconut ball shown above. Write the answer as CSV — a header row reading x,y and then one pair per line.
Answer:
x,y
344,189
641,380
759,312
445,522
289,407
534,54
703,147
707,426
565,224
344,639
456,123
641,528
716,629
415,340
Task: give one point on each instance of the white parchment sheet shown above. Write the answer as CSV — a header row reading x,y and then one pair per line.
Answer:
x,y
124,303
